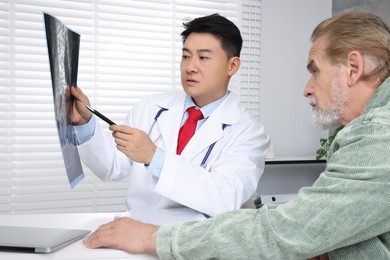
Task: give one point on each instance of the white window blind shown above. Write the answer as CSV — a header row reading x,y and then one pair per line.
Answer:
x,y
250,56
128,50
5,98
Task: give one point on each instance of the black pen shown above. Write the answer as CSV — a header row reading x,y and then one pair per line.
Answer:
x,y
100,115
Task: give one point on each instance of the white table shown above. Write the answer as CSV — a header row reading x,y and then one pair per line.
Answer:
x,y
75,250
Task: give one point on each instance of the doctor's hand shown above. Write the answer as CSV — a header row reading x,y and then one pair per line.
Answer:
x,y
125,234
80,114
134,143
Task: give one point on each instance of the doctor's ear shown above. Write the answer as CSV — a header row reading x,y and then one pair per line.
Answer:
x,y
234,65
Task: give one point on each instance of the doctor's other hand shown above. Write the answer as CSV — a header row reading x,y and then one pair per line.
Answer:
x,y
134,143
125,234
80,115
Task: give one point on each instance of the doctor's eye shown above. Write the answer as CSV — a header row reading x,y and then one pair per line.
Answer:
x,y
185,57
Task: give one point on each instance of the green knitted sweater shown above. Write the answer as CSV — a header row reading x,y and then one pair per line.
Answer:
x,y
346,212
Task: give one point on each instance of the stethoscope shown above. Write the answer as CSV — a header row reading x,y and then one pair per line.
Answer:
x,y
203,163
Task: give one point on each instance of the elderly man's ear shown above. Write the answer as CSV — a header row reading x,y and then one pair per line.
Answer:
x,y
355,65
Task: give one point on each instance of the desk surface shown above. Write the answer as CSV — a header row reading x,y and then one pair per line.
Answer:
x,y
75,250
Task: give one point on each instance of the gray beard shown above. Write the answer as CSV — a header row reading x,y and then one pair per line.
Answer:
x,y
325,119
330,116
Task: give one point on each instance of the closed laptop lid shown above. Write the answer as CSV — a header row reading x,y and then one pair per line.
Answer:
x,y
37,239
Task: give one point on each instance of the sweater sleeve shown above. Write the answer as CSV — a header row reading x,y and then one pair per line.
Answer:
x,y
339,210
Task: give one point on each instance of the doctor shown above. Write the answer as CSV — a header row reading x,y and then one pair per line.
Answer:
x,y
219,168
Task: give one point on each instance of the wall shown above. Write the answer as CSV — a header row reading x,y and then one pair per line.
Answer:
x,y
378,7
286,29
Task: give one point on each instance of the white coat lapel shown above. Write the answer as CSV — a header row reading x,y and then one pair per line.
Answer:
x,y
207,134
211,130
169,122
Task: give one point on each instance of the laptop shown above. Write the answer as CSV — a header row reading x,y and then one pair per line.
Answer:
x,y
37,239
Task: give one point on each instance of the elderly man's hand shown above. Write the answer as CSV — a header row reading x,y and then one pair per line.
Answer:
x,y
125,234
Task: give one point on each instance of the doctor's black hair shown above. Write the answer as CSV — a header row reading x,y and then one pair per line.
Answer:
x,y
226,31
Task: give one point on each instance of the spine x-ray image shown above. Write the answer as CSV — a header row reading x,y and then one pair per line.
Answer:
x,y
63,47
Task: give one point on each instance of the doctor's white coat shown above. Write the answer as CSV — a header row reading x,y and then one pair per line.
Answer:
x,y
229,178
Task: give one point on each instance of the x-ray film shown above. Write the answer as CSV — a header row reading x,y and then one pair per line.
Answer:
x,y
63,47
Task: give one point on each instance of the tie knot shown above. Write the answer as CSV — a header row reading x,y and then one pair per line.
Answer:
x,y
194,114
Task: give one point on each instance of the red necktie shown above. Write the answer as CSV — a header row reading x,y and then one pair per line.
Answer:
x,y
188,129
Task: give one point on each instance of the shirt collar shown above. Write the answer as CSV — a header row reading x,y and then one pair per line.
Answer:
x,y
207,109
